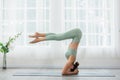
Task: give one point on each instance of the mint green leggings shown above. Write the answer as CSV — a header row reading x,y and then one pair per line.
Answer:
x,y
74,34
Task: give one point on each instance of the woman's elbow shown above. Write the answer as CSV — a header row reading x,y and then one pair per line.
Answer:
x,y
64,73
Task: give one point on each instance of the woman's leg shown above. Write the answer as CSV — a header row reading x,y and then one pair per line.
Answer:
x,y
37,34
74,34
39,38
67,35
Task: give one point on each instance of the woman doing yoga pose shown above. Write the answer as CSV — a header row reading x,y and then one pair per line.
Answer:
x,y
75,35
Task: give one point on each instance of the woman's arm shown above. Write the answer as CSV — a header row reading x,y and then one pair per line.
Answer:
x,y
73,73
68,65
66,69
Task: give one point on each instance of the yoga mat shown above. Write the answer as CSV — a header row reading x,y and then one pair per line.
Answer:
x,y
90,74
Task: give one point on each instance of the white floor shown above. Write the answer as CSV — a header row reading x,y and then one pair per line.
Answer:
x,y
8,74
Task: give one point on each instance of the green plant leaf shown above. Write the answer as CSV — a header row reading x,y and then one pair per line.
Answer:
x,y
1,50
5,49
12,39
1,44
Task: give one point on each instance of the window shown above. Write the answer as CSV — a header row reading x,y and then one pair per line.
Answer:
x,y
26,16
94,18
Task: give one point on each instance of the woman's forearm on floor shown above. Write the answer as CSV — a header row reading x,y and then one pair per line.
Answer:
x,y
71,73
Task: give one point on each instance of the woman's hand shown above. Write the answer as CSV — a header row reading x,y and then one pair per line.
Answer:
x,y
76,71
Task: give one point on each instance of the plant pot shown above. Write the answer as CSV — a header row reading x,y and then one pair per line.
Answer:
x,y
4,61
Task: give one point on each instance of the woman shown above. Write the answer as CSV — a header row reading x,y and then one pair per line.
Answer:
x,y
74,34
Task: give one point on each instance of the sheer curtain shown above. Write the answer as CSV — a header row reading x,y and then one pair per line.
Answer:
x,y
96,19
26,16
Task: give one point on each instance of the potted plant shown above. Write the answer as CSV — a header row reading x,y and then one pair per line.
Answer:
x,y
4,48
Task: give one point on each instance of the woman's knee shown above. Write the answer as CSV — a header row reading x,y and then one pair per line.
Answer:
x,y
78,31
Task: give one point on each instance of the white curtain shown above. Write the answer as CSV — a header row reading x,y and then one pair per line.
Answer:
x,y
95,18
117,27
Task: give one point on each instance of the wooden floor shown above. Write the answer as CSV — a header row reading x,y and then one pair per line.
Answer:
x,y
8,74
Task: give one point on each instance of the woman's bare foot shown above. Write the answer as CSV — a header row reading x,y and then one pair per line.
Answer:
x,y
35,40
36,35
